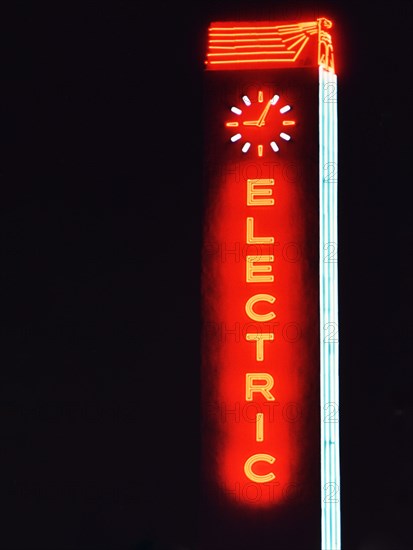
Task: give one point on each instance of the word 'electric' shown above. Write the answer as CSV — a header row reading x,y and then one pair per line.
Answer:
x,y
259,270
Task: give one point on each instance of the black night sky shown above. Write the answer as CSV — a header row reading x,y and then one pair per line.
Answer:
x,y
101,250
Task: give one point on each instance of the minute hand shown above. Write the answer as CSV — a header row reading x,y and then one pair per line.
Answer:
x,y
261,120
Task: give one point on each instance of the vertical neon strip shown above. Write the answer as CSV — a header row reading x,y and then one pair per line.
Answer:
x,y
329,389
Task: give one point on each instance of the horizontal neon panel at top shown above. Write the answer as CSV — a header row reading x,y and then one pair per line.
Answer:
x,y
265,44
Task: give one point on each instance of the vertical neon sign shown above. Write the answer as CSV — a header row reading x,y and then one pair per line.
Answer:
x,y
270,345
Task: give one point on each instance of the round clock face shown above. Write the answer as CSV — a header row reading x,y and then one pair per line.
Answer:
x,y
261,123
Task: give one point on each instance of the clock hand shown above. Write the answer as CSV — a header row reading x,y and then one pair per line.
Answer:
x,y
261,120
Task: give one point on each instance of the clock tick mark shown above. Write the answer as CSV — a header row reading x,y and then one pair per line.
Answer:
x,y
285,109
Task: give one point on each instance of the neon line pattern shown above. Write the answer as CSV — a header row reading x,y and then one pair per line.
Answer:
x,y
232,46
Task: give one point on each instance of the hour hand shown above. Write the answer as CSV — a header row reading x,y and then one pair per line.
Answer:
x,y
250,123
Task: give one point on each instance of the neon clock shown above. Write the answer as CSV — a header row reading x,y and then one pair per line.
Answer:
x,y
260,122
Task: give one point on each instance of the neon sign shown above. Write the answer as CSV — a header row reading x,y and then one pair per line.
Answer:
x,y
270,345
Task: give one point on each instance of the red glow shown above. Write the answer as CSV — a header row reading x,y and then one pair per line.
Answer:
x,y
275,224
283,359
260,277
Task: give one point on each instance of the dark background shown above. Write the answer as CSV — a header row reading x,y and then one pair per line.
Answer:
x,y
101,231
